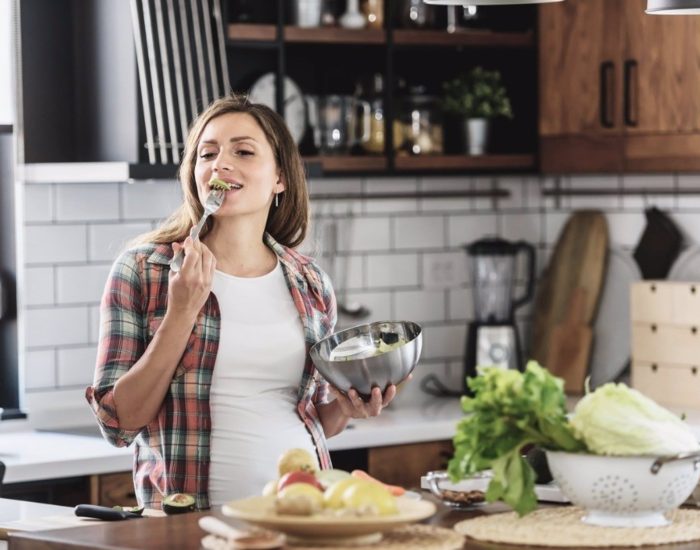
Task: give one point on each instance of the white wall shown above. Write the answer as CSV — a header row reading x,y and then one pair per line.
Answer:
x,y
7,99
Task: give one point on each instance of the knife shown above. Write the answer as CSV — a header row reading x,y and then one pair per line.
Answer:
x,y
103,512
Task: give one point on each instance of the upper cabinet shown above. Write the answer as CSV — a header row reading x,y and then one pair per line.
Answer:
x,y
619,89
112,85
369,100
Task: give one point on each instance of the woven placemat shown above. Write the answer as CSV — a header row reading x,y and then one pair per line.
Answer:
x,y
562,527
410,537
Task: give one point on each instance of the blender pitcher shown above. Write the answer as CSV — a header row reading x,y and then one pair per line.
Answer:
x,y
493,273
492,335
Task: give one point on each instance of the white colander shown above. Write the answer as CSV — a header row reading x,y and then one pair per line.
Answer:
x,y
625,491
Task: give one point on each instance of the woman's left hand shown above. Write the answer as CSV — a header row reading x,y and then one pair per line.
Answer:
x,y
353,406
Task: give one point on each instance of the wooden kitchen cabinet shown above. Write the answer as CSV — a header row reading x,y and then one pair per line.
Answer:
x,y
113,489
405,464
619,89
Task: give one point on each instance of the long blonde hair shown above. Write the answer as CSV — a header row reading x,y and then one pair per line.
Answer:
x,y
287,223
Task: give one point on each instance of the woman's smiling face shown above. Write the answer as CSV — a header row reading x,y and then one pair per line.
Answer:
x,y
234,148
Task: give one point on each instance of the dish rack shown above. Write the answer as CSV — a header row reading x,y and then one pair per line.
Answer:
x,y
666,341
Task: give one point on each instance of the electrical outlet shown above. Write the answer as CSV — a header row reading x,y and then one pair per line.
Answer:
x,y
441,271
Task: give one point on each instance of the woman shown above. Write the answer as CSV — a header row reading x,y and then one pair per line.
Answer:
x,y
208,369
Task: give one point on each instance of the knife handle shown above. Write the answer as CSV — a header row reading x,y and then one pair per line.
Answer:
x,y
103,512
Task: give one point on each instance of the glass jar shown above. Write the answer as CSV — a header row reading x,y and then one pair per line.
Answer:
x,y
416,14
419,131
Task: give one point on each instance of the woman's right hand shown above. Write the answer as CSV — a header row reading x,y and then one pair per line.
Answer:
x,y
189,289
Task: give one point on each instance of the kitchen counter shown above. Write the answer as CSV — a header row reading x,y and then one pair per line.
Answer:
x,y
37,455
30,516
183,531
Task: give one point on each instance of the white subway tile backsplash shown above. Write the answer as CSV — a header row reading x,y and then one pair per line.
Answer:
x,y
450,183
392,271
108,240
38,203
420,306
625,228
151,200
689,202
38,286
378,304
442,270
40,369
80,202
554,223
55,243
460,304
602,182
465,229
518,193
76,366
364,234
390,185
419,232
382,275
526,227
349,271
444,341
641,202
59,326
80,284
484,184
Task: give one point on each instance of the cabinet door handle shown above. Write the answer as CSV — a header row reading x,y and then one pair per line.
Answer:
x,y
631,90
607,92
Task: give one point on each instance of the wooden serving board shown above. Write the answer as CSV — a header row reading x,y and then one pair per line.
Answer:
x,y
577,265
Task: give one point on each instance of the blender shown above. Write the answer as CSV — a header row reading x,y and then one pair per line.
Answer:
x,y
492,336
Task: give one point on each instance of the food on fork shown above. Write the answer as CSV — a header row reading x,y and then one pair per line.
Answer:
x,y
216,183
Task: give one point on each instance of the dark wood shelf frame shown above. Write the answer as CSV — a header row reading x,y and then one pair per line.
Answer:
x,y
238,32
465,162
407,37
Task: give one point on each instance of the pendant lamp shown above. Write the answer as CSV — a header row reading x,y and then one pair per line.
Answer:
x,y
486,2
673,7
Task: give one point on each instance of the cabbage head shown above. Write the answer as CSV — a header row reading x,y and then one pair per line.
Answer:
x,y
620,421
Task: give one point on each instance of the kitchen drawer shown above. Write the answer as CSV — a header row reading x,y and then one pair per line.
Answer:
x,y
666,343
651,302
664,302
666,383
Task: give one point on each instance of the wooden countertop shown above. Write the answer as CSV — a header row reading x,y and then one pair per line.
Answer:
x,y
177,532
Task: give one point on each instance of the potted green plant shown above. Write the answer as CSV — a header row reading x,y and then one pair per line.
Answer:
x,y
477,97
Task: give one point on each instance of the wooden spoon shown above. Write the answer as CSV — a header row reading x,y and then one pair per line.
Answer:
x,y
242,540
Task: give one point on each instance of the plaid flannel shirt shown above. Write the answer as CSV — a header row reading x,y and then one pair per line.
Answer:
x,y
172,451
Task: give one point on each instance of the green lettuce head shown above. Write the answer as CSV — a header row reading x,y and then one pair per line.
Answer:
x,y
617,420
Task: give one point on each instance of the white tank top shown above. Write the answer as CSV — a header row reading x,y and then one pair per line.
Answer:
x,y
254,386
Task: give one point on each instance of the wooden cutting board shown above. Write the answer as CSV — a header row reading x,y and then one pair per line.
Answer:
x,y
570,346
578,262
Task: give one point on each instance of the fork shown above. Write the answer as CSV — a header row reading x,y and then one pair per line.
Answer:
x,y
211,205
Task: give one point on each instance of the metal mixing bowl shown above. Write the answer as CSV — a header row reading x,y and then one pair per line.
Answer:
x,y
364,365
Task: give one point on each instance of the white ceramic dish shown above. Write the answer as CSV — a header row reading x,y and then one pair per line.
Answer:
x,y
622,491
611,332
545,493
686,268
259,511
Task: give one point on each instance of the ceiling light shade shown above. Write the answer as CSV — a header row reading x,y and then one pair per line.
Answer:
x,y
673,7
486,2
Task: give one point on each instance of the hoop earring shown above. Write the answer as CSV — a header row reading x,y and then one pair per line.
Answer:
x,y
277,200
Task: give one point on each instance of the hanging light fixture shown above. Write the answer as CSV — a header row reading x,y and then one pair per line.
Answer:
x,y
486,2
673,7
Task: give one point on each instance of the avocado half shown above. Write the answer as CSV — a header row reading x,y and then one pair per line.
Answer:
x,y
178,503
